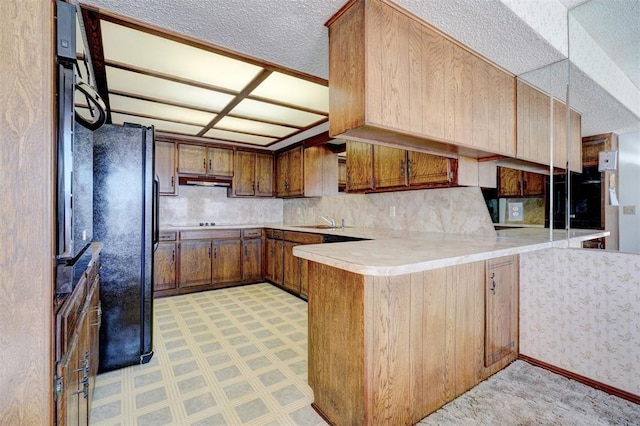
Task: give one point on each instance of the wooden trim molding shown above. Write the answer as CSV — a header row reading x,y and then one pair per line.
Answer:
x,y
582,379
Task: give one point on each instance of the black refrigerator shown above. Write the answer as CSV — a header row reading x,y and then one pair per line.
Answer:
x,y
125,207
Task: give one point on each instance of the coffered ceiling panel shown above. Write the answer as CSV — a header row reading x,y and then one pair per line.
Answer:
x,y
183,86
160,125
275,113
171,92
239,137
150,52
140,107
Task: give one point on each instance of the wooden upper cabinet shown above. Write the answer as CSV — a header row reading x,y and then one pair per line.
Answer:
x,y
165,162
359,166
220,162
537,112
245,173
518,183
306,172
592,145
192,159
264,175
389,166
407,84
202,160
428,169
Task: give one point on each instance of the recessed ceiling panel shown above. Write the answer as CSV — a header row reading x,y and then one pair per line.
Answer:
x,y
138,84
295,91
159,110
129,46
161,125
271,112
239,137
249,126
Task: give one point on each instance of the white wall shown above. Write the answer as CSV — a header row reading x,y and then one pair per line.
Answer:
x,y
580,311
629,191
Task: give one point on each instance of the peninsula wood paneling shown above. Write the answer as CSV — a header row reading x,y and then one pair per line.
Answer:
x,y
421,335
26,184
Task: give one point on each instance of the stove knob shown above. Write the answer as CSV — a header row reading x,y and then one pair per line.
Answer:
x,y
201,223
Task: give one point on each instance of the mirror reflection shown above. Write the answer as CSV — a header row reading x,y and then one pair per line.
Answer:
x,y
592,150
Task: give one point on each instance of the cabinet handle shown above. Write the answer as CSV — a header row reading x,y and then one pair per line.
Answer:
x,y
215,252
258,186
172,181
204,163
173,256
245,251
209,252
409,167
209,164
493,282
402,168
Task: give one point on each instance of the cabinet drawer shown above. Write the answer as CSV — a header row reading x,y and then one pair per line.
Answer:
x,y
252,233
276,234
302,237
167,236
210,234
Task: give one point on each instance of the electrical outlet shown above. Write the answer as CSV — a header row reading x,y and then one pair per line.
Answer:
x,y
392,211
629,210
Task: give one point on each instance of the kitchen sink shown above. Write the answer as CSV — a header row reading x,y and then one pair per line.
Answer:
x,y
322,227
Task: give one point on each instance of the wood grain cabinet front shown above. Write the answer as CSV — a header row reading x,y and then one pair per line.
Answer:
x,y
406,84
253,175
306,172
518,183
78,322
164,266
165,162
227,262
195,263
203,160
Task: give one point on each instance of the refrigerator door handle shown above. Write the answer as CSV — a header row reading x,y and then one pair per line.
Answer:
x,y
156,211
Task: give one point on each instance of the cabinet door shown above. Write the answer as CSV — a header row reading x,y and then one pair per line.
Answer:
x,y
304,277
559,134
291,268
220,162
508,182
532,184
501,308
195,263
533,124
227,261
342,174
575,141
94,315
264,175
252,259
192,159
428,169
282,172
278,262
359,166
389,166
165,160
269,258
295,175
164,266
244,174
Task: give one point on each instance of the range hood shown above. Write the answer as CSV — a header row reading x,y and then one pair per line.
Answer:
x,y
205,181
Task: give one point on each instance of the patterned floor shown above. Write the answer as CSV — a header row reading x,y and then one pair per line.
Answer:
x,y
232,356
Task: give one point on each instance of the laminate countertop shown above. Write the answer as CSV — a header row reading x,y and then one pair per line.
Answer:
x,y
390,253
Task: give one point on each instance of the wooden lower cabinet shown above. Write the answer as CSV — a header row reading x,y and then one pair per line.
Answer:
x,y
252,259
77,349
164,266
291,279
227,262
406,344
195,263
501,309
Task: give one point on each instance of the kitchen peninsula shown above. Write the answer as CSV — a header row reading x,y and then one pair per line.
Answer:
x,y
403,324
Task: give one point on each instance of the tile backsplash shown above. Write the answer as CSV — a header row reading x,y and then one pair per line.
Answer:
x,y
450,210
210,204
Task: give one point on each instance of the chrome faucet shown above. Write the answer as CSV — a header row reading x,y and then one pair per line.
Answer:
x,y
329,220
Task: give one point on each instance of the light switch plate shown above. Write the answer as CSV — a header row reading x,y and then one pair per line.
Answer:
x,y
629,210
607,160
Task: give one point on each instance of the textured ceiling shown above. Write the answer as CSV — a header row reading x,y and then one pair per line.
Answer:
x,y
519,35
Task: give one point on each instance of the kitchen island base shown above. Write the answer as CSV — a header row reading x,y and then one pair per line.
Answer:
x,y
392,349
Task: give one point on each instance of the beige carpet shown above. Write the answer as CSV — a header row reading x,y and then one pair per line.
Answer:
x,y
238,356
522,394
